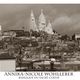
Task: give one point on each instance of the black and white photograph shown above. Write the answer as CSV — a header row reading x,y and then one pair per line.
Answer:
x,y
39,37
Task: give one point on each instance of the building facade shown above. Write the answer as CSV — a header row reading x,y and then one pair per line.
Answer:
x,y
42,23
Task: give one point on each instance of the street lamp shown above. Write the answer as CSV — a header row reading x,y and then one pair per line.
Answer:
x,y
52,63
48,48
63,63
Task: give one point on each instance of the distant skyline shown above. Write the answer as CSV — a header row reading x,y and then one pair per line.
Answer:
x,y
65,18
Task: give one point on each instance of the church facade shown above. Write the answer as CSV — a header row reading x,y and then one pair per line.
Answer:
x,y
42,23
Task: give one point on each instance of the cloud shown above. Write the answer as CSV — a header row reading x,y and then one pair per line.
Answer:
x,y
76,23
67,24
62,24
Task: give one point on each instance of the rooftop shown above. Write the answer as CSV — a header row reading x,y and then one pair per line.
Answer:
x,y
6,56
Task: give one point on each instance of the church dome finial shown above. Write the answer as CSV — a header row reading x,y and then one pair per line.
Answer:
x,y
32,13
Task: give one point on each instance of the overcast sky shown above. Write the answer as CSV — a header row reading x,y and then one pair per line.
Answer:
x,y
65,19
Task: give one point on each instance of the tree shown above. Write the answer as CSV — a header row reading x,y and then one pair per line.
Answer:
x,y
73,37
65,37
19,57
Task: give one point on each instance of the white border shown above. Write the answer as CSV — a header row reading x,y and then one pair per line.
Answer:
x,y
10,76
39,1
76,76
